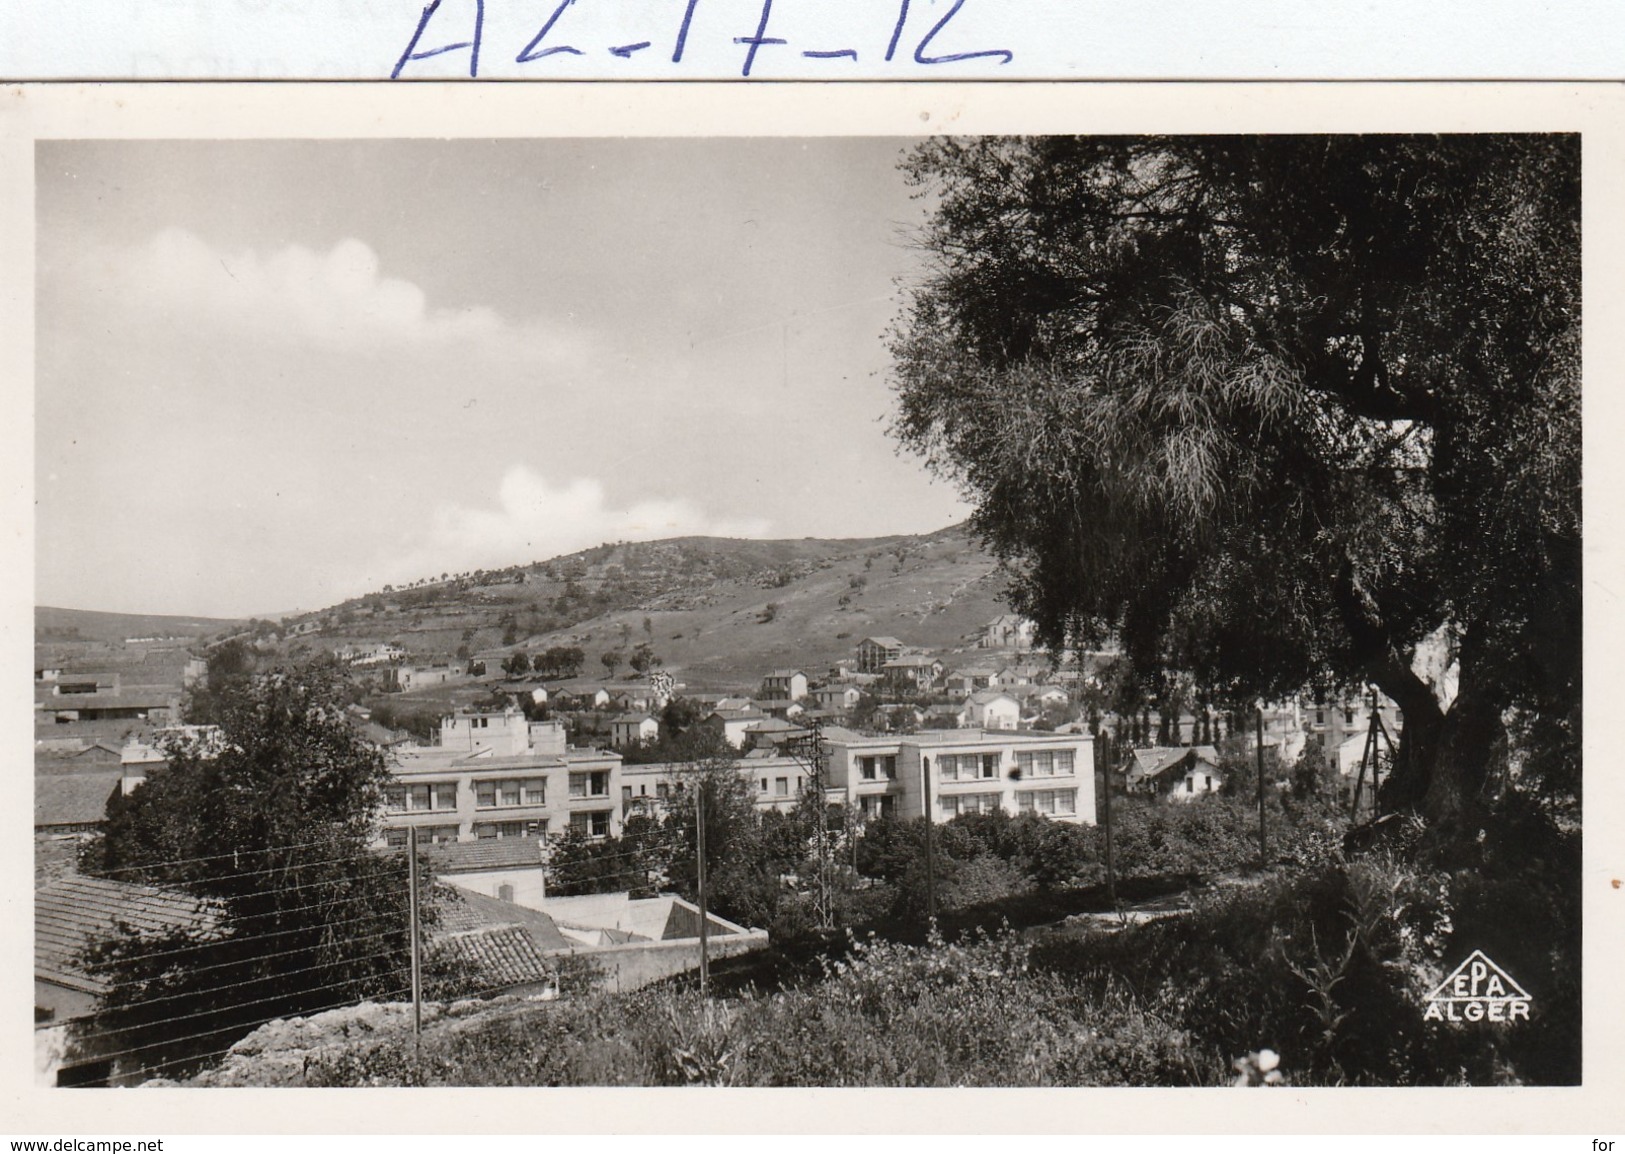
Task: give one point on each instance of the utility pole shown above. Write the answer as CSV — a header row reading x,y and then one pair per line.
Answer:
x,y
1106,757
930,842
1369,754
808,749
1263,838
699,864
412,929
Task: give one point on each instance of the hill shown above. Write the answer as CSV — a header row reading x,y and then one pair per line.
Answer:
x,y
55,624
719,612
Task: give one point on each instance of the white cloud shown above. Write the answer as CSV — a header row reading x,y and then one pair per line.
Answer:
x,y
535,520
339,298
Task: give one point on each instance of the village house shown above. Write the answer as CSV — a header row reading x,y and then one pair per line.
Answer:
x,y
734,723
405,678
784,685
874,652
1175,773
971,679
633,728
68,913
1008,631
913,671
948,772
993,709
837,698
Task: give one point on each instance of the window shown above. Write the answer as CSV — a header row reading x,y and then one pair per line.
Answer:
x,y
1047,801
990,765
421,797
505,892
781,787
764,785
626,794
500,830
948,767
1190,787
510,793
593,823
395,838
1066,761
661,790
594,784
954,804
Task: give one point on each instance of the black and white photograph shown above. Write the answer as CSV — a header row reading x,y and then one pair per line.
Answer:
x,y
927,608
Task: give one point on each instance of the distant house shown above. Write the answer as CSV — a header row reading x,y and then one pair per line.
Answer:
x,y
993,709
405,678
734,724
917,671
1176,773
971,679
839,698
949,716
1008,631
632,728
784,685
874,652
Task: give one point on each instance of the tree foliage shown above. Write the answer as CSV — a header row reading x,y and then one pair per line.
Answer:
x,y
1272,410
273,831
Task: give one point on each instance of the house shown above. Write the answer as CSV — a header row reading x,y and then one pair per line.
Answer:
x,y
733,724
971,679
1008,631
874,652
947,772
1176,773
948,716
495,944
839,698
632,728
405,678
496,776
785,685
916,671
993,709
69,914
512,869
781,708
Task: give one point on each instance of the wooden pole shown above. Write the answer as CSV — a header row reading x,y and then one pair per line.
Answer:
x,y
412,922
1263,837
699,861
1109,755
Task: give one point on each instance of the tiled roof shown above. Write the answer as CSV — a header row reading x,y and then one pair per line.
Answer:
x,y
911,661
72,799
69,914
486,854
499,956
462,911
884,642
1153,761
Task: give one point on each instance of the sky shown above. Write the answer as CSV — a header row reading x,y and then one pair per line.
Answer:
x,y
272,375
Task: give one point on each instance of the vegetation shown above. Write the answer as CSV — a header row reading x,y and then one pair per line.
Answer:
x,y
1270,410
273,830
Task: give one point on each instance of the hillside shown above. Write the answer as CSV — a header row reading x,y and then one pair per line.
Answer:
x,y
718,612
54,624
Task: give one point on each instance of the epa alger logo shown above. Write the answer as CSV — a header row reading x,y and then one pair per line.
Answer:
x,y
1478,990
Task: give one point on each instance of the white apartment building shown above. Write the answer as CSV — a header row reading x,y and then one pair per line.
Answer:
x,y
495,775
964,771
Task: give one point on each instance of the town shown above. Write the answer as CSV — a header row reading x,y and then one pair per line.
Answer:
x,y
528,754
